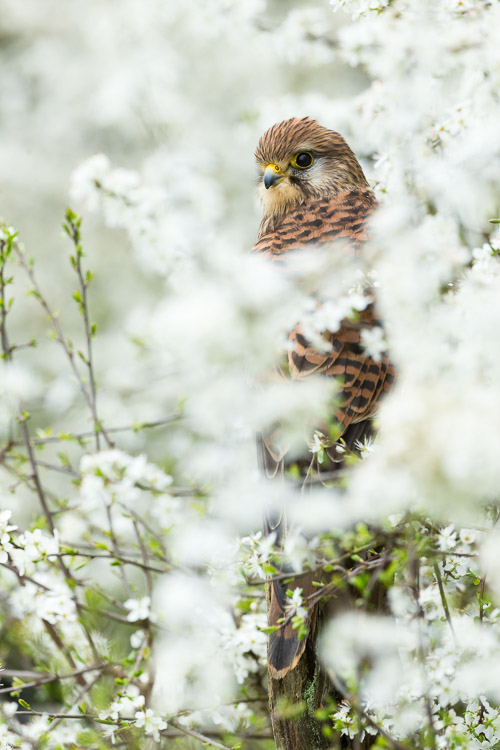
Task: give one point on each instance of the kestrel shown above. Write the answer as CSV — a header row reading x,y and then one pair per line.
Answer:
x,y
314,192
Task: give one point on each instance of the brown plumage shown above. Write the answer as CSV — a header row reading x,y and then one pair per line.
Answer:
x,y
316,204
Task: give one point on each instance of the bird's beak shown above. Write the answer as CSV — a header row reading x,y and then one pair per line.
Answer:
x,y
272,175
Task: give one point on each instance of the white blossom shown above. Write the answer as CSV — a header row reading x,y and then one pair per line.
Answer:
x,y
192,334
447,538
139,609
151,722
374,342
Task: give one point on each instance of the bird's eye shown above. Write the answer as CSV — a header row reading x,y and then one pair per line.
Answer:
x,y
302,160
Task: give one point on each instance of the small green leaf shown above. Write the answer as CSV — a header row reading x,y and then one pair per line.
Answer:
x,y
270,569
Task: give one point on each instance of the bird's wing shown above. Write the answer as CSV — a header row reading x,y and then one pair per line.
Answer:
x,y
320,222
363,378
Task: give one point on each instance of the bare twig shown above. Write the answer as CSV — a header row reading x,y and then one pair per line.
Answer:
x,y
44,678
59,335
197,735
444,601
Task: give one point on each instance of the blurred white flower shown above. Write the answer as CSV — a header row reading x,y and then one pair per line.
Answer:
x,y
151,722
137,639
373,340
358,8
447,538
295,604
317,446
87,178
366,448
468,536
139,609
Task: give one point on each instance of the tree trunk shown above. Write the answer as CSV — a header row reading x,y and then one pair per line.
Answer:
x,y
293,701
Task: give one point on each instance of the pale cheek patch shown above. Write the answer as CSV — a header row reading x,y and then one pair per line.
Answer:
x,y
318,176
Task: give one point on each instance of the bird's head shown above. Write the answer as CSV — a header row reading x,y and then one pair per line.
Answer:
x,y
300,159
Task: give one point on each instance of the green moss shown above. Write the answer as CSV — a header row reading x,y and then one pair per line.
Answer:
x,y
310,698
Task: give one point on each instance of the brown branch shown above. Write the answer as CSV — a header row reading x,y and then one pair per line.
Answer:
x,y
198,736
444,601
60,337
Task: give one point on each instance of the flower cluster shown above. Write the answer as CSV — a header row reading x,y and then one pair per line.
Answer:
x,y
133,578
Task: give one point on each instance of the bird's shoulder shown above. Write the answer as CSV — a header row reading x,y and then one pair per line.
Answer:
x,y
318,221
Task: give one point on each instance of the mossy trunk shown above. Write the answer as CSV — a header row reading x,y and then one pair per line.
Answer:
x,y
293,701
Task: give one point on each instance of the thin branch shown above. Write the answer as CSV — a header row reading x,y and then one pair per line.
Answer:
x,y
49,715
44,679
145,566
60,337
72,226
126,561
48,516
444,601
36,479
66,437
116,551
198,736
66,652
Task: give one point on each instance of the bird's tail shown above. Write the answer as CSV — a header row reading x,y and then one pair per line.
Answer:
x,y
286,644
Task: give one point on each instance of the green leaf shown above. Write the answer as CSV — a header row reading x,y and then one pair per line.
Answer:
x,y
387,575
361,581
24,704
82,707
270,569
